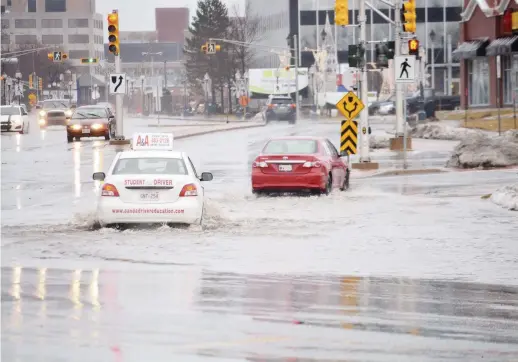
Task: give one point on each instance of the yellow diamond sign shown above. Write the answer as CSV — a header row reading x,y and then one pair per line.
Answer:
x,y
350,106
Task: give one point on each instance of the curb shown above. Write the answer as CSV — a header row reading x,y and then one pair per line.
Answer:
x,y
409,172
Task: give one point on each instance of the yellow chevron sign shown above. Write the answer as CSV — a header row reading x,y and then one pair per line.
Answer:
x,y
348,137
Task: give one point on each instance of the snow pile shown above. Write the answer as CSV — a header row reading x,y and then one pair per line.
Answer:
x,y
484,151
511,136
507,197
443,132
379,141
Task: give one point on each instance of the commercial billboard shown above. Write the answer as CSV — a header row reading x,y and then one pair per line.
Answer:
x,y
276,81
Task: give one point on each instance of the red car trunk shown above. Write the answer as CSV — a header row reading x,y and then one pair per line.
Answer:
x,y
285,164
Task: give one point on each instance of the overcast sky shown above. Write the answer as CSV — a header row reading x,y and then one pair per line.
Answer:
x,y
140,14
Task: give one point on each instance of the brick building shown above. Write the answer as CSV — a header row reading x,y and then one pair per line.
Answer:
x,y
171,23
486,39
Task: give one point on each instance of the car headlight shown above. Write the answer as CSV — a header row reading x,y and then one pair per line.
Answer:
x,y
43,113
68,113
97,126
76,126
41,121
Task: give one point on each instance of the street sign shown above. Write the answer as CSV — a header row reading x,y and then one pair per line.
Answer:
x,y
348,137
57,57
404,68
117,83
211,48
350,106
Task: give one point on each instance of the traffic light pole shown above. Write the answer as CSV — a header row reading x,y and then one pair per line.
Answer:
x,y
399,90
118,103
364,90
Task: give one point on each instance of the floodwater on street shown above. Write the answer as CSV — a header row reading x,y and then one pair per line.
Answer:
x,y
394,269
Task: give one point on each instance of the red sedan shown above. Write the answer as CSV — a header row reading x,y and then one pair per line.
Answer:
x,y
299,164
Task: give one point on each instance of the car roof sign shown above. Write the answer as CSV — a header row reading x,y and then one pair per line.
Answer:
x,y
152,141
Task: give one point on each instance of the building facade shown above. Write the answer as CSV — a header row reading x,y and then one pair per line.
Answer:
x,y
171,23
437,24
488,43
70,25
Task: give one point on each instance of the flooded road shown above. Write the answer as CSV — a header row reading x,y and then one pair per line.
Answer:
x,y
414,268
191,314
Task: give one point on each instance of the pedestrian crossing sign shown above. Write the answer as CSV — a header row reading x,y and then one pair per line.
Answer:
x,y
405,68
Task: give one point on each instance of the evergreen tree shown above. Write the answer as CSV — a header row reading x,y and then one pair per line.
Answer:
x,y
211,21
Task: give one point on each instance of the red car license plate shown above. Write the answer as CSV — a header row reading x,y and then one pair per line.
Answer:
x,y
285,168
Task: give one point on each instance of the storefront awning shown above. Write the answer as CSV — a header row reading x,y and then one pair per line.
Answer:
x,y
502,46
471,49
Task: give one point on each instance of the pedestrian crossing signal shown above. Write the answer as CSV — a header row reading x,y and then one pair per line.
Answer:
x,y
413,47
31,85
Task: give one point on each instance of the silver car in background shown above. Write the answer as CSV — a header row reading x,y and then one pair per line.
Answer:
x,y
55,112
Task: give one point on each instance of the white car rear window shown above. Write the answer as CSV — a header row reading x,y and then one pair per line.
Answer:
x,y
291,147
150,166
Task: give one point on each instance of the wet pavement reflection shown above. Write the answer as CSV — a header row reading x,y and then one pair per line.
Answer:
x,y
180,314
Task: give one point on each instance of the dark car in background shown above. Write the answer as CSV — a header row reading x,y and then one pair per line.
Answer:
x,y
279,107
91,121
55,112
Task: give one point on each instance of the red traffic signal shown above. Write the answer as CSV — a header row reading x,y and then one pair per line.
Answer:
x,y
413,47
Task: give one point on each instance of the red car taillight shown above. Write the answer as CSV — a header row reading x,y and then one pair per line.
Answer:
x,y
109,190
260,164
189,190
314,164
293,105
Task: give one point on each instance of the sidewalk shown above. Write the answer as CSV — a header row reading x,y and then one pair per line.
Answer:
x,y
199,118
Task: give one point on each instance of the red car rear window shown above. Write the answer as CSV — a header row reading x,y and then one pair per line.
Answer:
x,y
291,147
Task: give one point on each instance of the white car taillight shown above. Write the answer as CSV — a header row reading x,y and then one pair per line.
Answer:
x,y
310,164
261,164
109,190
189,190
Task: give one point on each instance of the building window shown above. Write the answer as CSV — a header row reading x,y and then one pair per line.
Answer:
x,y
78,23
55,6
507,70
78,54
5,23
51,23
31,6
25,23
78,39
26,39
6,39
52,39
9,3
478,82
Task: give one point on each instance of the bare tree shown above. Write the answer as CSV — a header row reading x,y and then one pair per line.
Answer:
x,y
244,29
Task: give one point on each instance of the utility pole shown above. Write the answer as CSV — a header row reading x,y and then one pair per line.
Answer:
x,y
364,90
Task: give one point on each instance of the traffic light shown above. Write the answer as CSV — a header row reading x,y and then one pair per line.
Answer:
x,y
356,56
413,47
210,48
409,17
89,60
30,81
113,33
40,83
341,12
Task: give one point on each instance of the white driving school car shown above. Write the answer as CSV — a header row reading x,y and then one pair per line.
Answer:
x,y
150,184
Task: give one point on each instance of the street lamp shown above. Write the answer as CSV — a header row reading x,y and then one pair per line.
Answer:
x,y
142,77
152,59
18,76
4,97
323,36
433,36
